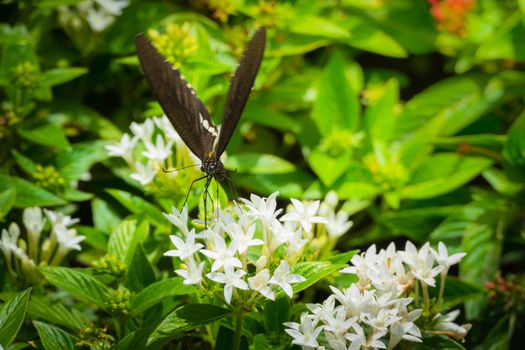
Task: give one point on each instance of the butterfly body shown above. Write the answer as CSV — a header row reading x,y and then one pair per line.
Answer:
x,y
187,113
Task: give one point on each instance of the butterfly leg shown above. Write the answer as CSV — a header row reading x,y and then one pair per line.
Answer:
x,y
189,191
206,194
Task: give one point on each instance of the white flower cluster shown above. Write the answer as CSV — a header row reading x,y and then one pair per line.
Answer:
x,y
22,256
376,312
250,249
145,156
99,14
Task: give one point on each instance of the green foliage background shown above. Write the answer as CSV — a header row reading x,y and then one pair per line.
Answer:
x,y
412,113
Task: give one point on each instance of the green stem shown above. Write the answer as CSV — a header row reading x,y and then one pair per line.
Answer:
x,y
239,318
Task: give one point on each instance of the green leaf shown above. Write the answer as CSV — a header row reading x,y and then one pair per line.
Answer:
x,y
442,173
253,163
27,194
7,200
186,318
457,292
55,338
514,150
366,36
74,195
440,342
125,238
78,283
12,314
74,163
58,76
140,273
94,237
504,44
380,115
318,26
105,216
26,164
342,258
135,340
275,314
157,291
329,168
313,272
336,106
41,307
357,182
47,134
138,205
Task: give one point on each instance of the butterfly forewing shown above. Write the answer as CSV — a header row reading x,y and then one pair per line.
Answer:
x,y
177,99
240,88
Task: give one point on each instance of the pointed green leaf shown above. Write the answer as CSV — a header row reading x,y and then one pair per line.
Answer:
x,y
253,163
55,338
140,273
187,318
58,76
47,134
139,205
12,314
78,283
336,106
124,239
442,173
56,312
157,291
7,200
27,194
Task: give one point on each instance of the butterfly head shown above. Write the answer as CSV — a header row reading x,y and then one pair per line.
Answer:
x,y
213,167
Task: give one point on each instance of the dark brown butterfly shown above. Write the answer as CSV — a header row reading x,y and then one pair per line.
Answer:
x,y
188,114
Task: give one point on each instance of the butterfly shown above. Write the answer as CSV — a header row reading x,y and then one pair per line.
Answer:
x,y
188,114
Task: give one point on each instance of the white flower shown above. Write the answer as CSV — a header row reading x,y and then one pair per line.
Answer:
x,y
99,19
124,148
185,249
179,219
158,151
231,279
421,262
304,214
337,224
359,340
192,273
283,278
143,131
9,240
243,240
67,238
167,128
222,255
443,259
58,218
33,221
113,7
446,325
259,283
144,173
338,323
304,333
263,208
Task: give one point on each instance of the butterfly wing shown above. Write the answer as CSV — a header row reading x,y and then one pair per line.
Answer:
x,y
186,112
240,88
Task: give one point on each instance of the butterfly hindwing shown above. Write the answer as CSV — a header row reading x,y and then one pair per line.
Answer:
x,y
240,88
186,112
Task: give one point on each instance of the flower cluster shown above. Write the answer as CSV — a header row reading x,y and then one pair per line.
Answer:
x,y
149,150
99,14
23,255
248,252
177,42
379,310
450,14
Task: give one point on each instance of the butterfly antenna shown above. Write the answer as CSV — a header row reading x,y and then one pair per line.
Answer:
x,y
184,167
